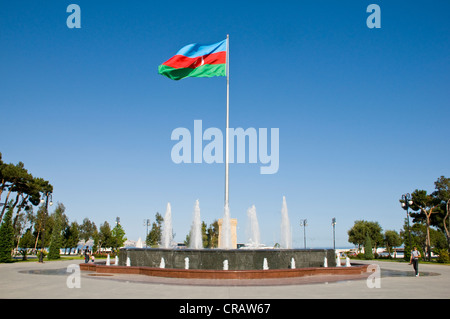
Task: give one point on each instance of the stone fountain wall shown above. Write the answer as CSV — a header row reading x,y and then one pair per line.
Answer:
x,y
238,259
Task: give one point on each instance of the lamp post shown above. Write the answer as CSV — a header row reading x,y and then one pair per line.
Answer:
x,y
146,223
304,223
406,203
333,223
46,196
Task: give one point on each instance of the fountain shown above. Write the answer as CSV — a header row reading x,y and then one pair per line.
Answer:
x,y
116,260
286,237
108,260
196,241
167,234
168,261
225,257
253,228
265,264
226,229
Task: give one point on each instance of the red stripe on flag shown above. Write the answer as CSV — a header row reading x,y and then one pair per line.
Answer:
x,y
181,61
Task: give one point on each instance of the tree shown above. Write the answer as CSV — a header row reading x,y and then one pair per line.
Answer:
x,y
392,239
438,240
212,234
154,236
104,235
204,235
56,241
442,194
118,237
71,236
96,238
357,234
27,189
39,221
6,237
22,192
20,223
420,240
14,179
426,205
87,230
368,253
27,240
187,240
405,235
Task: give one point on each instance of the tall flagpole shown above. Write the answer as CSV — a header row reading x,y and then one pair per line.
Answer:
x,y
228,120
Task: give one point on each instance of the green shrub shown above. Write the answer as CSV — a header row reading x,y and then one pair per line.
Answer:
x,y
368,254
38,254
6,238
443,256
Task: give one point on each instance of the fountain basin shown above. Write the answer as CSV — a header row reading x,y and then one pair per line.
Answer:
x,y
238,259
351,272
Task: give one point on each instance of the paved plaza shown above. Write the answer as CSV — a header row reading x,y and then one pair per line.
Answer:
x,y
57,279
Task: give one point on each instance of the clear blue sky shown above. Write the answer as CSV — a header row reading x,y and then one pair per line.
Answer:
x,y
363,113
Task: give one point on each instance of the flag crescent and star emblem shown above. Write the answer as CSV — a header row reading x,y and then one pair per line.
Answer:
x,y
196,60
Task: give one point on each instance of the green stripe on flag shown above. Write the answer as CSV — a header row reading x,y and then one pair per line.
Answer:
x,y
207,70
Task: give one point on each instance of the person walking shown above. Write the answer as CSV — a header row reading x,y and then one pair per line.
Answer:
x,y
415,255
86,255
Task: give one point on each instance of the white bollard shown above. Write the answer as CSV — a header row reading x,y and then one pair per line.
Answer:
x,y
347,262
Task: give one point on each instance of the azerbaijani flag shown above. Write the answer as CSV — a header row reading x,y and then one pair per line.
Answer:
x,y
196,60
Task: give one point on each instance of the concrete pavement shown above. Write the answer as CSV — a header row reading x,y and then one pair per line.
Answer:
x,y
51,280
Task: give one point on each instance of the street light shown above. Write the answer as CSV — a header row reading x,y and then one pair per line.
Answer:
x,y
333,222
406,203
146,223
47,202
304,223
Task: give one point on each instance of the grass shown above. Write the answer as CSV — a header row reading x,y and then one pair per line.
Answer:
x,y
34,258
401,260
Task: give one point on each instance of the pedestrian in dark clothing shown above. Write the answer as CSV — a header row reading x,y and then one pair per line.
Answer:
x,y
415,255
86,255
